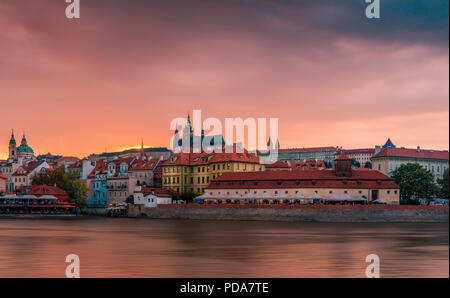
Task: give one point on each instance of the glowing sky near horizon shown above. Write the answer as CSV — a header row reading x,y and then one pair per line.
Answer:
x,y
127,68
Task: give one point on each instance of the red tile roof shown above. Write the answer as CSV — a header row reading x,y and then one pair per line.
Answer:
x,y
99,167
278,164
302,179
2,177
144,165
27,169
75,165
308,165
160,192
127,160
412,153
342,157
39,190
208,158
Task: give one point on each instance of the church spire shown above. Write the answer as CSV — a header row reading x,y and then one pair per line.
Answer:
x,y
142,149
12,141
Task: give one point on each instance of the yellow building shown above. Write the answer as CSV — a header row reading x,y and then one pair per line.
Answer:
x,y
184,172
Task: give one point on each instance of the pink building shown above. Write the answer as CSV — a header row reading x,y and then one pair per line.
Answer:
x,y
2,183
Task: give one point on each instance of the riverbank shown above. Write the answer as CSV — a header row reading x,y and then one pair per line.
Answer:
x,y
374,214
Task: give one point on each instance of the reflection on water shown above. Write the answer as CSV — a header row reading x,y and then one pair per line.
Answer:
x,y
121,247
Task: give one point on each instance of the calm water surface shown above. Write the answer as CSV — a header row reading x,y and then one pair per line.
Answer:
x,y
122,247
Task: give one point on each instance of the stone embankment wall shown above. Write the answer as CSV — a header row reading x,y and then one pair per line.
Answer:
x,y
295,213
94,211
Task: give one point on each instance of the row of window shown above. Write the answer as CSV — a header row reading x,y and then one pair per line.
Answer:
x,y
5,170
20,179
207,168
296,192
176,180
431,168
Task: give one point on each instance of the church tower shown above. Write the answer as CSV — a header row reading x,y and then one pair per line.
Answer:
x,y
143,157
187,135
343,166
12,147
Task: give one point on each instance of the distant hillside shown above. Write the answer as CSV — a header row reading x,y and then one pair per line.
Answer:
x,y
154,149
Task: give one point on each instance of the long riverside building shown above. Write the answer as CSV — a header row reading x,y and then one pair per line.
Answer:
x,y
342,180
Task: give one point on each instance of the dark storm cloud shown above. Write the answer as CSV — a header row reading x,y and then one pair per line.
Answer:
x,y
321,66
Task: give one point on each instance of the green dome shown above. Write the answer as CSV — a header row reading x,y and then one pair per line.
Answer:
x,y
24,148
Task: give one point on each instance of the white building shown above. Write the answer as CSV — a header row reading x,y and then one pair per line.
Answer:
x,y
388,159
151,197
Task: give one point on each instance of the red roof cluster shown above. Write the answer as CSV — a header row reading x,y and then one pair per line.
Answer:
x,y
159,192
40,190
27,168
308,165
342,157
412,153
278,165
141,165
190,159
127,160
302,179
100,166
75,165
295,166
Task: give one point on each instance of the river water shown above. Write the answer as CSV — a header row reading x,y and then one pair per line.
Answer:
x,y
123,247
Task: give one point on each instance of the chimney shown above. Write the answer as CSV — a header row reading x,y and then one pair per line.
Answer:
x,y
418,148
377,149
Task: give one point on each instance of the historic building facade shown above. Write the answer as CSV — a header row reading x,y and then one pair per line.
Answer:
x,y
19,157
362,156
339,181
390,158
25,173
2,184
188,141
119,188
144,171
325,154
23,151
184,172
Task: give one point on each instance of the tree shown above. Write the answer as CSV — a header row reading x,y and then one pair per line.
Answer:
x,y
130,199
328,164
77,191
188,196
415,182
443,185
355,163
368,165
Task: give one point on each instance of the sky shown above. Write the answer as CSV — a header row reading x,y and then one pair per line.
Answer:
x,y
125,69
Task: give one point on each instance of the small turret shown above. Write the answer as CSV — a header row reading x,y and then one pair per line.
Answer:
x,y
12,147
24,140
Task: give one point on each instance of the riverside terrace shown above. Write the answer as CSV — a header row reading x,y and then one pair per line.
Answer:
x,y
39,199
339,185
